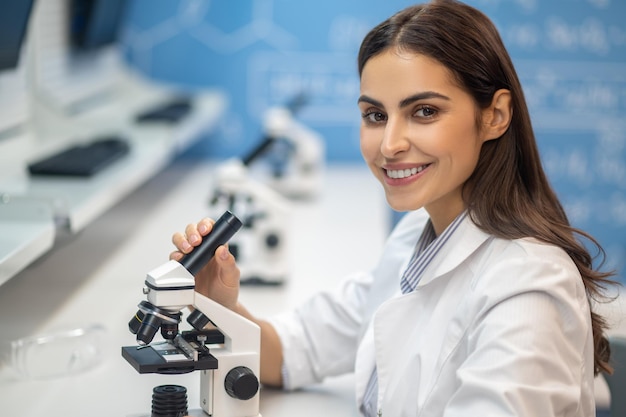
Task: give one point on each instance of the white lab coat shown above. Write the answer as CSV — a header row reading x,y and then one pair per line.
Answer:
x,y
494,328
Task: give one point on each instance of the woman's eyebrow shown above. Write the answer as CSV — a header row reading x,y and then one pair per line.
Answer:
x,y
366,99
422,96
407,101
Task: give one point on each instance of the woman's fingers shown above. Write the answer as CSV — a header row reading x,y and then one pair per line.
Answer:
x,y
181,242
176,256
194,232
205,226
192,237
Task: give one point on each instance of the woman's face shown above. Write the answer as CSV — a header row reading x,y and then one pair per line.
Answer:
x,y
418,133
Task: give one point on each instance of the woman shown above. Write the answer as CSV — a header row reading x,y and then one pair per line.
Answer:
x,y
481,302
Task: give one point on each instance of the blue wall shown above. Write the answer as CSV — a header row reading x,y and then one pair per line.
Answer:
x,y
263,52
570,55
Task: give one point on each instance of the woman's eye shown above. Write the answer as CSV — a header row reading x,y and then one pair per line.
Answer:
x,y
426,112
374,117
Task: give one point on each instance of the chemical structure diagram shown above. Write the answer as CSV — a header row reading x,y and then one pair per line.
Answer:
x,y
191,19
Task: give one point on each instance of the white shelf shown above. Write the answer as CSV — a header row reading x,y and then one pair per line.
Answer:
x,y
26,232
73,203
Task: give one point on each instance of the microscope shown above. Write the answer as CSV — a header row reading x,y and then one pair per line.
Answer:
x,y
227,353
295,155
260,248
294,152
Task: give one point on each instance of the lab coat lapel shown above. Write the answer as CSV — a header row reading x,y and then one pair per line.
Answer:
x,y
465,240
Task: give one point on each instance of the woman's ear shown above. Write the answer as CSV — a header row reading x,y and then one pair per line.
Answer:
x,y
497,117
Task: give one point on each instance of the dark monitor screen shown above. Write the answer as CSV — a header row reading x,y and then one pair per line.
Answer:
x,y
13,23
95,23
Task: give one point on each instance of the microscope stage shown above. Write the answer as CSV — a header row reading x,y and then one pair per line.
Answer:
x,y
169,360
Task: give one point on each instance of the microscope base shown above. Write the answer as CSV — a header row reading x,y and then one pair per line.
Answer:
x,y
196,412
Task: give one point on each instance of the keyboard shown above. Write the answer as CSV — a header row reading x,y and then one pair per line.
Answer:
x,y
82,160
170,112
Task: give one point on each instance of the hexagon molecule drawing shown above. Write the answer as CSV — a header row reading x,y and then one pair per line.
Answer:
x,y
190,18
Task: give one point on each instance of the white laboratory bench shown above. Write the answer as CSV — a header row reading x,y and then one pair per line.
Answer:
x,y
96,277
75,202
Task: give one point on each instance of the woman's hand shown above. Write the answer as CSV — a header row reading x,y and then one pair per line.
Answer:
x,y
219,279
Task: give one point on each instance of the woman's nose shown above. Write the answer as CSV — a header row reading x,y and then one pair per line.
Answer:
x,y
395,138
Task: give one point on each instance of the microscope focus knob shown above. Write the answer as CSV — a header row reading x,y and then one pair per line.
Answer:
x,y
241,383
272,240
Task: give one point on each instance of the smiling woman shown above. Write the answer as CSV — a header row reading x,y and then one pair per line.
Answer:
x,y
419,135
481,303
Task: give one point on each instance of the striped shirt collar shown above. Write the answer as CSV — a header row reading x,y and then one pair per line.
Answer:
x,y
428,245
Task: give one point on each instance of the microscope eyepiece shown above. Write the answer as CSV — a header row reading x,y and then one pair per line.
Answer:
x,y
223,229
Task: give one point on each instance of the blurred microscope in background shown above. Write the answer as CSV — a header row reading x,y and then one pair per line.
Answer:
x,y
260,188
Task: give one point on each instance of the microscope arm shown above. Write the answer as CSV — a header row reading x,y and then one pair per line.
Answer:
x,y
240,334
308,144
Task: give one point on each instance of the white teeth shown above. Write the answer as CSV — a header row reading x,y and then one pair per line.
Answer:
x,y
403,173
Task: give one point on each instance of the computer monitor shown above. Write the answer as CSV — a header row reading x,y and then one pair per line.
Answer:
x,y
15,18
76,59
13,23
95,23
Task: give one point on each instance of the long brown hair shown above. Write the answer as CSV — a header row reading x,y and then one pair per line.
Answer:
x,y
508,195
